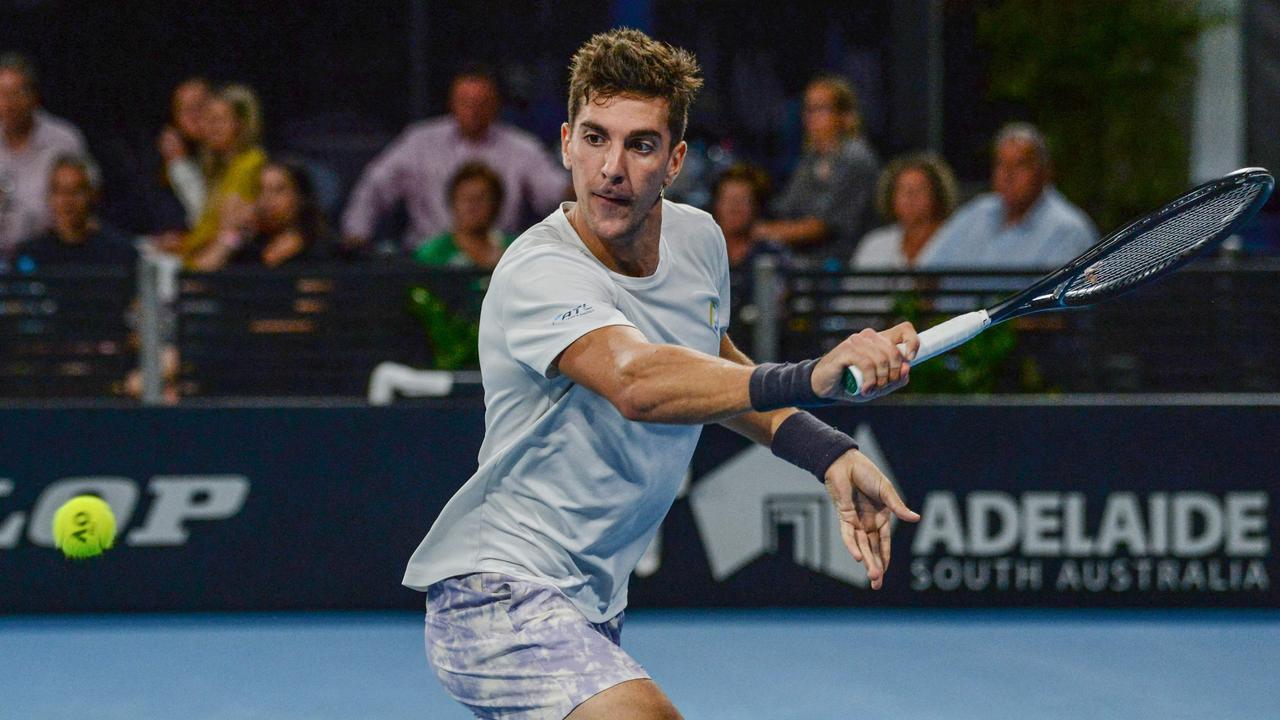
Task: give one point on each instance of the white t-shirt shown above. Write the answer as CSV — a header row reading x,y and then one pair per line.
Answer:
x,y
880,249
568,491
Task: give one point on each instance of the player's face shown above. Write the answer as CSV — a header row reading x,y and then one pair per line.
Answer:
x,y
913,201
621,156
1018,175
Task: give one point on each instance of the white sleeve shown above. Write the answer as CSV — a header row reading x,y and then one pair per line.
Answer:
x,y
550,298
724,284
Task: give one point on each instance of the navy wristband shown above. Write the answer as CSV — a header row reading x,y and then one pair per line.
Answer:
x,y
781,385
808,443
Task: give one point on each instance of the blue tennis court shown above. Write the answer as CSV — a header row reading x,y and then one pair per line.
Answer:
x,y
716,665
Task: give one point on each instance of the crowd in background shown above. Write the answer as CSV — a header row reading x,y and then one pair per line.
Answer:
x,y
468,183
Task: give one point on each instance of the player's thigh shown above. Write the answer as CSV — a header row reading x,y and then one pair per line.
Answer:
x,y
631,700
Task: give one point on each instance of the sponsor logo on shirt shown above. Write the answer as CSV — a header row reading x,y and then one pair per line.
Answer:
x,y
583,309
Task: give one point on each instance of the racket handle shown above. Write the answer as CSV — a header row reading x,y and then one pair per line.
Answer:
x,y
933,342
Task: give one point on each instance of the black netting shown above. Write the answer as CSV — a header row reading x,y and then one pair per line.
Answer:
x,y
1178,237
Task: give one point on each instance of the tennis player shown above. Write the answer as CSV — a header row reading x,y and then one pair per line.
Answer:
x,y
603,352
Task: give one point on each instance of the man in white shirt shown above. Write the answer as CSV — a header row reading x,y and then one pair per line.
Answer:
x,y
603,351
30,140
1024,223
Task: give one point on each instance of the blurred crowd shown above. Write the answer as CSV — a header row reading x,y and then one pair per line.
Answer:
x,y
466,183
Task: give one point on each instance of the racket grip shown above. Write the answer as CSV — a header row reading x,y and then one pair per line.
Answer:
x,y
933,342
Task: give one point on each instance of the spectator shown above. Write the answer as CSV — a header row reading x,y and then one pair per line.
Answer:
x,y
76,237
916,193
827,202
30,140
181,144
475,196
285,225
738,197
416,168
232,162
1025,224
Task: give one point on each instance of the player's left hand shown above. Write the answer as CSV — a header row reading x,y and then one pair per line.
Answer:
x,y
866,501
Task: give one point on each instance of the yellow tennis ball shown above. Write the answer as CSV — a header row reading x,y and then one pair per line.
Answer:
x,y
84,526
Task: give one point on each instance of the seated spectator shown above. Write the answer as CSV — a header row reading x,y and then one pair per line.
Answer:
x,y
181,145
827,202
1024,224
285,225
76,237
738,197
232,163
30,140
416,168
475,196
916,193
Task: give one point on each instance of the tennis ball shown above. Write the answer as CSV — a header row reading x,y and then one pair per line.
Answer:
x,y
84,526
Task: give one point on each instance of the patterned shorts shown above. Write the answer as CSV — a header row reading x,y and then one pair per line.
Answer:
x,y
509,648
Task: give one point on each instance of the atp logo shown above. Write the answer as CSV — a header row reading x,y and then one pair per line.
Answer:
x,y
583,309
741,507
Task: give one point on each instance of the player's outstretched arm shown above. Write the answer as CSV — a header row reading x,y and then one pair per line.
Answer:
x,y
651,382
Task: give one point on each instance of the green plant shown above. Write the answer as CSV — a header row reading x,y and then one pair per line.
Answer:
x,y
454,339
974,367
1109,84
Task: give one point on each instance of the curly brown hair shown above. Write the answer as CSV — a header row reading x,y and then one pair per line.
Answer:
x,y
628,62
941,181
754,176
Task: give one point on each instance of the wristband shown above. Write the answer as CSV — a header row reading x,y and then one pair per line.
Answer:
x,y
810,444
781,385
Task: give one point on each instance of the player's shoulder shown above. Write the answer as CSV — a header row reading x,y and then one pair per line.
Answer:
x,y
687,220
693,236
547,245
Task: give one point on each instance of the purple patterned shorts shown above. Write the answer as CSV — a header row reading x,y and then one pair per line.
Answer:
x,y
509,648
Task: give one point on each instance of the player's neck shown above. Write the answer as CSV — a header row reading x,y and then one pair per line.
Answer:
x,y
635,254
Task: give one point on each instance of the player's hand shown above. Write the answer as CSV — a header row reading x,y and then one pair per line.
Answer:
x,y
884,367
866,501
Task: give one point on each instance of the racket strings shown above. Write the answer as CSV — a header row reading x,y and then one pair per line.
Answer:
x,y
1175,238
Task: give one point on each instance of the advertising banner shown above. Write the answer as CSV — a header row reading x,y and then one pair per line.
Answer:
x,y
1023,504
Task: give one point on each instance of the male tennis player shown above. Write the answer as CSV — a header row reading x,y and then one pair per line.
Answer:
x,y
603,351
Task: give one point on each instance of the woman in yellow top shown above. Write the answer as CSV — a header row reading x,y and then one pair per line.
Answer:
x,y
232,163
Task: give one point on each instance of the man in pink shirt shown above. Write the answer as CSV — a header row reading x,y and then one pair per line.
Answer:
x,y
30,140
417,166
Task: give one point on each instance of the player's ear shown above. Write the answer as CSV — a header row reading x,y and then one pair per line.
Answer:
x,y
676,162
564,146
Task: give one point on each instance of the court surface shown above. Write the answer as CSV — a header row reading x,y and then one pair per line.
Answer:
x,y
739,665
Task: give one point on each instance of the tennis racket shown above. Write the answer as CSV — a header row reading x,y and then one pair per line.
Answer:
x,y
1138,253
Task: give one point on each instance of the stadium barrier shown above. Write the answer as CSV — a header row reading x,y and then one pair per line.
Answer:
x,y
1111,502
322,331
